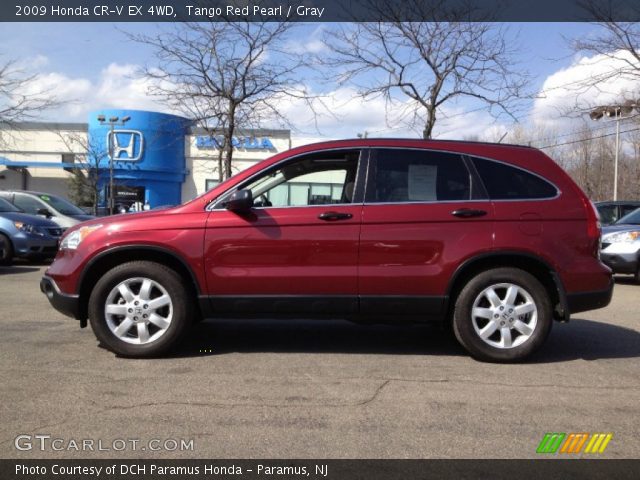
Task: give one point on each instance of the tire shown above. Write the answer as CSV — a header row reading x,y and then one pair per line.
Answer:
x,y
508,337
7,250
163,309
636,277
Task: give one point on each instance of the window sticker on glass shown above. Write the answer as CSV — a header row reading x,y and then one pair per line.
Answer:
x,y
422,182
45,198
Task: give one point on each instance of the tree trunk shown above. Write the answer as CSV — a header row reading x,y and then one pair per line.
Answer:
x,y
427,133
229,139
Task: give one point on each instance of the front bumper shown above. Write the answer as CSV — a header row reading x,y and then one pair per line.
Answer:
x,y
66,304
626,262
31,245
592,300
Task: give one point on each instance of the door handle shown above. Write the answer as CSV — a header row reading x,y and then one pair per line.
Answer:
x,y
468,213
332,216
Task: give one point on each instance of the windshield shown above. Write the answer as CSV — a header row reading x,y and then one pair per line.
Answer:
x,y
632,218
61,205
5,206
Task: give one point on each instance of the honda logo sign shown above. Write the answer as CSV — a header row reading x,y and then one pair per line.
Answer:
x,y
127,145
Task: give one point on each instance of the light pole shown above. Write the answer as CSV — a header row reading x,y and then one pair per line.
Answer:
x,y
112,122
617,111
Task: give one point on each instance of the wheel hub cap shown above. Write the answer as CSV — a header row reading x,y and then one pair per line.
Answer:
x,y
138,310
504,315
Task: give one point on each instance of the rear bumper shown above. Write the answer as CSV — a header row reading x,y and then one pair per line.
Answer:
x,y
66,304
592,300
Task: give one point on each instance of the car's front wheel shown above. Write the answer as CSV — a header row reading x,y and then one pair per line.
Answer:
x,y
140,309
502,315
6,250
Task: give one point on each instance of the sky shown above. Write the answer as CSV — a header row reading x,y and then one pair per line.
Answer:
x,y
93,66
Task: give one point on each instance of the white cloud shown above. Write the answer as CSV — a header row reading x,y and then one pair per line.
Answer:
x,y
312,44
570,91
117,87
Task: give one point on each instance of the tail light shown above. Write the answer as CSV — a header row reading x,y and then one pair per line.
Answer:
x,y
593,226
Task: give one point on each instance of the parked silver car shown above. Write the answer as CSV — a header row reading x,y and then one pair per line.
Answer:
x,y
620,248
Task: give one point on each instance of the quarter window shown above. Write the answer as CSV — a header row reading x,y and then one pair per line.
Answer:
x,y
418,176
504,182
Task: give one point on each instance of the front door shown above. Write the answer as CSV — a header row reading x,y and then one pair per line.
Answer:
x,y
296,250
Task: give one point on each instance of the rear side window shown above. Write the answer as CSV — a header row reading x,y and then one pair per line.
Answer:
x,y
608,214
27,203
417,176
504,182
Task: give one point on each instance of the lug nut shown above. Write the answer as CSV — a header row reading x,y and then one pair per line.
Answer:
x,y
496,316
135,318
145,315
501,323
136,303
145,306
130,310
501,308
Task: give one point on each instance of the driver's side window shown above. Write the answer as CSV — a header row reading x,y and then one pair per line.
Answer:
x,y
318,179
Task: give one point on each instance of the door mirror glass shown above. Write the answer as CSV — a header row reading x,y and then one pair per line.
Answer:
x,y
240,201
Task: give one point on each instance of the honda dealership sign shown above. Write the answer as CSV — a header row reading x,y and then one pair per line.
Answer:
x,y
241,143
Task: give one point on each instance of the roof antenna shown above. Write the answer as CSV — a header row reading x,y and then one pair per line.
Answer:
x,y
502,137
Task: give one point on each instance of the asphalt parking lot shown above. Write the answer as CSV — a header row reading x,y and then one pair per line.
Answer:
x,y
265,389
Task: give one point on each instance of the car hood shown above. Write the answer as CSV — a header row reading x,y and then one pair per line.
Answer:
x,y
36,220
83,218
121,218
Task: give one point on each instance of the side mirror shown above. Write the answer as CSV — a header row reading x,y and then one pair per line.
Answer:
x,y
239,201
45,212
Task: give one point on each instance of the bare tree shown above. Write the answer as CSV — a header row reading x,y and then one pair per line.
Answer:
x,y
431,63
84,182
21,98
226,76
616,40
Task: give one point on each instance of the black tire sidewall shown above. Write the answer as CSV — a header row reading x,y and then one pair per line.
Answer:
x,y
462,323
7,255
171,282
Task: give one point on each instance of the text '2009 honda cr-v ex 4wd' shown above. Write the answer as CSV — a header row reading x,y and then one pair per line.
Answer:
x,y
495,239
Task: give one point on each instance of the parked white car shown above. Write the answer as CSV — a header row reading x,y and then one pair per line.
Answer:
x,y
621,245
57,209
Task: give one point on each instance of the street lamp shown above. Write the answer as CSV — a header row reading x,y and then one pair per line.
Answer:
x,y
617,112
112,122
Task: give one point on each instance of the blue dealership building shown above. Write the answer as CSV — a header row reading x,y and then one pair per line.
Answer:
x,y
153,158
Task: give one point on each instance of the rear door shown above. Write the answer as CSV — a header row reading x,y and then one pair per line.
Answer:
x,y
424,213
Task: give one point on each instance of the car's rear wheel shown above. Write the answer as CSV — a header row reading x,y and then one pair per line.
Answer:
x,y
6,250
502,315
140,309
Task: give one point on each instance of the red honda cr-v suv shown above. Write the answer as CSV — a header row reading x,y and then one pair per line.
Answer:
x,y
496,239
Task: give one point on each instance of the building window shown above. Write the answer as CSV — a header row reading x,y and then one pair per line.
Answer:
x,y
210,183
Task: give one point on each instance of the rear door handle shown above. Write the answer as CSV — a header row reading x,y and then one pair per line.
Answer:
x,y
468,213
332,216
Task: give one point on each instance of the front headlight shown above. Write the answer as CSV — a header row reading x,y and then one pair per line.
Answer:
x,y
27,228
71,241
622,237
